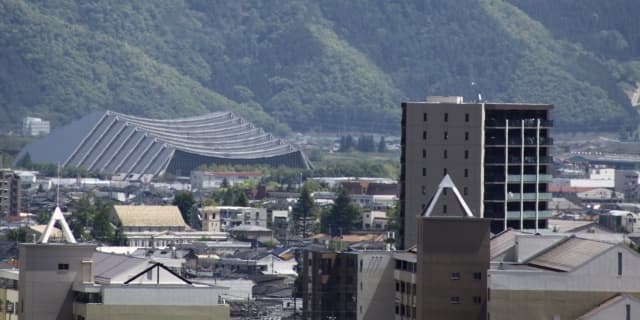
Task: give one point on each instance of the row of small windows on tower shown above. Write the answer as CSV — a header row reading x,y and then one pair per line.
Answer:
x,y
444,172
446,135
446,117
445,154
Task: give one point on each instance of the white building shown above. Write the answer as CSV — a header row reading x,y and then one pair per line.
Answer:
x,y
33,127
214,180
374,220
232,216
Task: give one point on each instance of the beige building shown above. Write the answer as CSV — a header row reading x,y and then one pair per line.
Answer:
x,y
210,219
158,226
497,154
8,294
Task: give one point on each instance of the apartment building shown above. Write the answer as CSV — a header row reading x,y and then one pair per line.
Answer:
x,y
9,193
348,285
498,155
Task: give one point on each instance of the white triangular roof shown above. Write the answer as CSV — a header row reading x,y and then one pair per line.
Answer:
x,y
446,183
57,216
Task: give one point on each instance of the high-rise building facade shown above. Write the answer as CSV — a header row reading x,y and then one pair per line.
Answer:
x,y
497,155
9,193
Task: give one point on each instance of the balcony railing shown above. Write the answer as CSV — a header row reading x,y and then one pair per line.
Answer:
x,y
528,196
528,123
517,141
529,178
529,214
512,196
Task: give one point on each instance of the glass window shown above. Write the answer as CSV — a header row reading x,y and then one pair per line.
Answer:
x,y
454,300
455,276
446,117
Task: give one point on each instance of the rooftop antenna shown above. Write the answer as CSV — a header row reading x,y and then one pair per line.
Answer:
x,y
57,216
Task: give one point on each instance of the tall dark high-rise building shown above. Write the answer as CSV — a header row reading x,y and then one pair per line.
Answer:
x,y
9,193
497,154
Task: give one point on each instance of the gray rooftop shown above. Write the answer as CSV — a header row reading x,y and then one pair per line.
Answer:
x,y
112,142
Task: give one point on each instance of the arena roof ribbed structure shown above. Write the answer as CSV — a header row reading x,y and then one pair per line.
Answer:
x,y
111,142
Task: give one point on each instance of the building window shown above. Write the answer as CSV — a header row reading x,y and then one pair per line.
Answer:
x,y
424,153
397,308
444,208
445,154
424,117
424,135
628,307
465,191
477,275
149,275
454,300
466,117
446,117
619,263
424,190
466,136
397,286
444,171
466,173
455,275
361,265
63,266
402,289
466,154
477,300
446,135
444,192
424,172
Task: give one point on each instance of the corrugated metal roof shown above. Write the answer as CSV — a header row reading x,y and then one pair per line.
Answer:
x,y
149,216
112,142
502,242
107,266
570,254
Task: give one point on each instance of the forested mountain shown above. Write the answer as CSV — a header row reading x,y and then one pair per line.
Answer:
x,y
317,65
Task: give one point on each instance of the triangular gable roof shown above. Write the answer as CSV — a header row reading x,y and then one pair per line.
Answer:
x,y
57,216
446,183
157,265
610,303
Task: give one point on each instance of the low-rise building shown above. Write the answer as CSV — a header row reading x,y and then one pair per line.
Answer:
x,y
582,275
233,216
33,127
214,180
347,285
73,281
157,226
374,220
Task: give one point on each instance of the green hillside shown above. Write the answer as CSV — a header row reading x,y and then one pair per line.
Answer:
x,y
308,65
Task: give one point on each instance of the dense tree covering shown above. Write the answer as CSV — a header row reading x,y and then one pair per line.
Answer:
x,y
316,65
184,200
343,216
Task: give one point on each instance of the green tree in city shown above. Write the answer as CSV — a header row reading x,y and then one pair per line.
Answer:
x,y
242,200
304,209
185,201
343,217
382,145
102,229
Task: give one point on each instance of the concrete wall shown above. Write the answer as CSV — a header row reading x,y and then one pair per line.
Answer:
x,y
161,295
44,287
526,294
375,285
448,246
142,312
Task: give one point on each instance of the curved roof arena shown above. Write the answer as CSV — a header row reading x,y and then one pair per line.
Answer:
x,y
112,142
